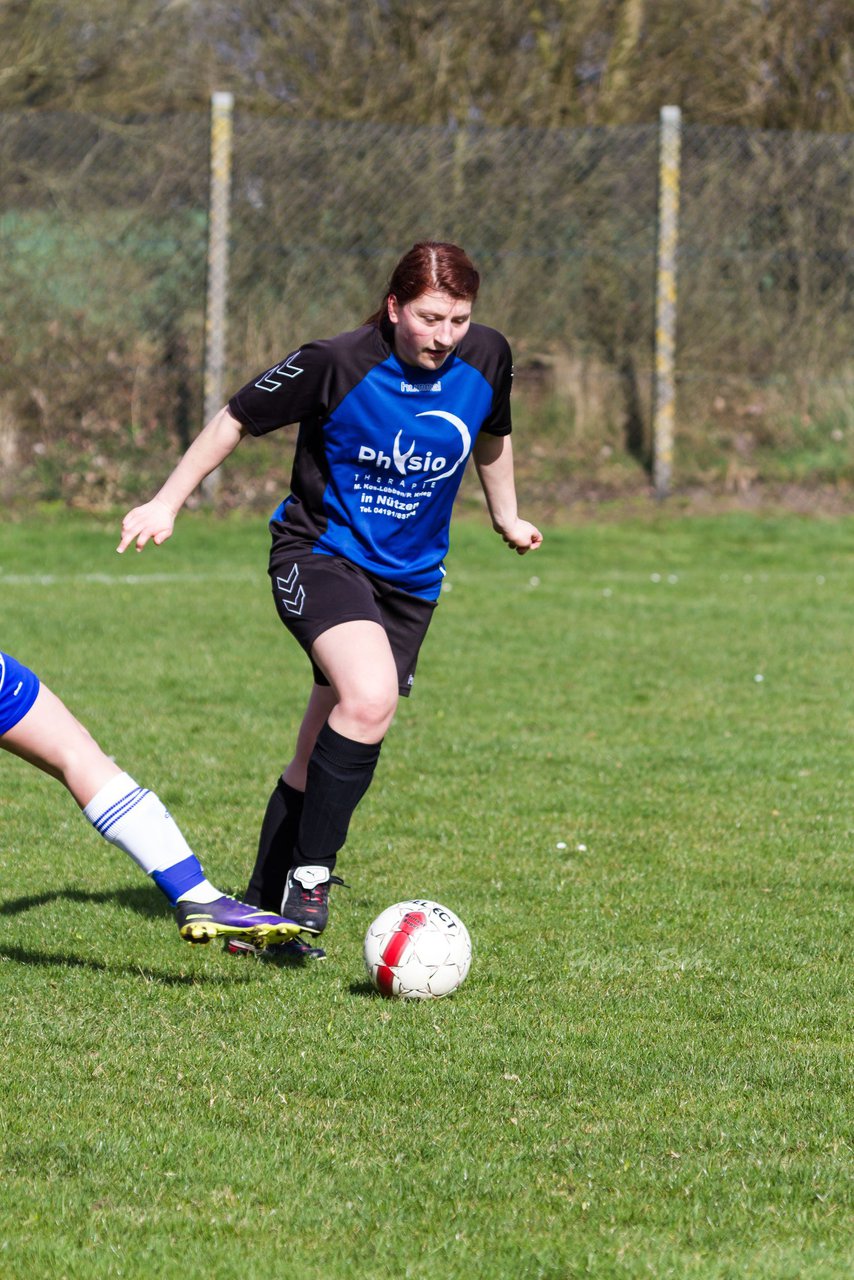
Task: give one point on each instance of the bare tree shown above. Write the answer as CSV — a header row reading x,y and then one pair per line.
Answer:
x,y
544,63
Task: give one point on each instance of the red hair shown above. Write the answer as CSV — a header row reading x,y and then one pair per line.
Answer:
x,y
430,264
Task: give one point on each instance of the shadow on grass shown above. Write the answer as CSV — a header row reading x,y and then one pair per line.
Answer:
x,y
149,903
364,989
141,899
64,960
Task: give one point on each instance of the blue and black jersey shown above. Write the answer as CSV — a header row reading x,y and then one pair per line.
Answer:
x,y
382,445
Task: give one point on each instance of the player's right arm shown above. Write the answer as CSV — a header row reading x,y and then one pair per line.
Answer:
x,y
155,520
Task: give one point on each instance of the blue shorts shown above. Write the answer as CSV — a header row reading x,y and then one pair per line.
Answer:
x,y
18,691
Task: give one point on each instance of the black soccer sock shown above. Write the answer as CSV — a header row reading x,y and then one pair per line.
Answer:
x,y
339,773
275,847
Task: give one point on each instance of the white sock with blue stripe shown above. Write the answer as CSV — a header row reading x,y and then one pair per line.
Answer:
x,y
138,823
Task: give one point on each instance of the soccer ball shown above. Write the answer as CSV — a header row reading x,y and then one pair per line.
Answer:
x,y
417,950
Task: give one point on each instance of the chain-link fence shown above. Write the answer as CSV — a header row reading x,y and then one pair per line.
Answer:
x,y
103,243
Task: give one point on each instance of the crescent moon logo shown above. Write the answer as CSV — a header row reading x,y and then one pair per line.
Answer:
x,y
464,434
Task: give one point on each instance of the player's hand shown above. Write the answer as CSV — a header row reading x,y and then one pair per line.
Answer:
x,y
522,536
153,521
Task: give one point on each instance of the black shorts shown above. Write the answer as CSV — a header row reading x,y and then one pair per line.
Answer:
x,y
315,592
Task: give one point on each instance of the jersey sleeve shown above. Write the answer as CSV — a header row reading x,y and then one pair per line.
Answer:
x,y
498,422
296,388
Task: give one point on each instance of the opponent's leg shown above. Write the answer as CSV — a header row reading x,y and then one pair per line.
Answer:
x,y
53,740
134,820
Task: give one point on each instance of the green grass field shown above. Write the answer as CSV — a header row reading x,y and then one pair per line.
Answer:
x,y
627,764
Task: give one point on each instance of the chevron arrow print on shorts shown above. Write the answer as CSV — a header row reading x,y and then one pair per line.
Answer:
x,y
293,592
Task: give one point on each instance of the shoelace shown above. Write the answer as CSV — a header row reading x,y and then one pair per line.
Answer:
x,y
324,887
320,892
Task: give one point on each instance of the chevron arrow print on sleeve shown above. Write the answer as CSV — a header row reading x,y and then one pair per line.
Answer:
x,y
287,369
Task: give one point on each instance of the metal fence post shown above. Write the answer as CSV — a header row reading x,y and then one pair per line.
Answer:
x,y
665,309
222,106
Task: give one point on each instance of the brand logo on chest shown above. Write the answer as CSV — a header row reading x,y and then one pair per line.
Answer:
x,y
419,388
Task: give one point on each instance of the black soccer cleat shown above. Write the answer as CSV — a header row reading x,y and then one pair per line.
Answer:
x,y
306,899
294,951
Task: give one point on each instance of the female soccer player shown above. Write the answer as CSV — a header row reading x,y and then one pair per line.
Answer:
x,y
38,727
388,415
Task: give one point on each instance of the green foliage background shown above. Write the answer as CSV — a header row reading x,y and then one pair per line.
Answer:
x,y
526,131
781,64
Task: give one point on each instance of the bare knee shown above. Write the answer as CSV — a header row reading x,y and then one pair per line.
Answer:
x,y
80,764
50,738
366,715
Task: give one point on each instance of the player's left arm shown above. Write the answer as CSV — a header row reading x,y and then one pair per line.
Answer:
x,y
493,458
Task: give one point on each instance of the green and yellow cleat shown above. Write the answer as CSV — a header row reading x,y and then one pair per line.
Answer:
x,y
200,922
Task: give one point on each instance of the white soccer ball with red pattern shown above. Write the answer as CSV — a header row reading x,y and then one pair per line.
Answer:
x,y
417,950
